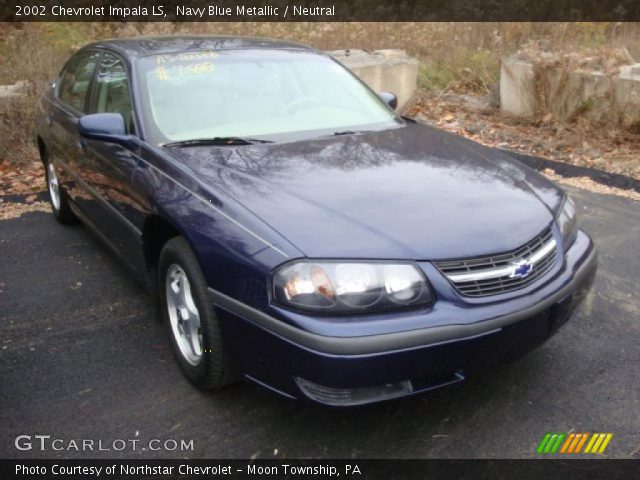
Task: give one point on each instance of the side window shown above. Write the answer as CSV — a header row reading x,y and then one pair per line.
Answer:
x,y
112,89
76,79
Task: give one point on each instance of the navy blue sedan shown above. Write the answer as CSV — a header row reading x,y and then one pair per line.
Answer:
x,y
297,232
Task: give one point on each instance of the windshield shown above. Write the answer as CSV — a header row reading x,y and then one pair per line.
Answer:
x,y
253,93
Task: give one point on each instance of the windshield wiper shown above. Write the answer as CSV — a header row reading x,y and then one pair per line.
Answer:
x,y
216,141
352,132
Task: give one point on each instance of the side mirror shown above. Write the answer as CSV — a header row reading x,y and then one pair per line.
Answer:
x,y
390,99
106,127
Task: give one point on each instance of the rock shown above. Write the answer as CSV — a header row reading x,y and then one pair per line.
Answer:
x,y
474,127
422,118
472,102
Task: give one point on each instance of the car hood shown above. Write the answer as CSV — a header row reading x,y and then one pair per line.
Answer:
x,y
413,192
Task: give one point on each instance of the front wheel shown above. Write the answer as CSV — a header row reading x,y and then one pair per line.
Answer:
x,y
190,317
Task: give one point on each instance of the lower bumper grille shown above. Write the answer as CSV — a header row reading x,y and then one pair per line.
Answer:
x,y
504,272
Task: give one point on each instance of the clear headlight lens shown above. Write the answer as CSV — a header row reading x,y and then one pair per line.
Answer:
x,y
348,287
568,222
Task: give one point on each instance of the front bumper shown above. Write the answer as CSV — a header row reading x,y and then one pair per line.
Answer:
x,y
299,363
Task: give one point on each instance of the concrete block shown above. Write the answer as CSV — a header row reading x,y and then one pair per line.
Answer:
x,y
517,88
9,93
568,94
597,95
383,70
527,90
628,93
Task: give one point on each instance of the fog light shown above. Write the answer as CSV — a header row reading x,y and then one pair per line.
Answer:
x,y
344,397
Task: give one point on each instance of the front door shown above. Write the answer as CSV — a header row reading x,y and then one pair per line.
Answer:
x,y
110,166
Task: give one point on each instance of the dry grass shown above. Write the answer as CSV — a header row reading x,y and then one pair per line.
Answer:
x,y
453,56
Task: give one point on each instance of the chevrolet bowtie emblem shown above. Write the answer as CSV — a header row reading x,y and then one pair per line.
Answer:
x,y
521,269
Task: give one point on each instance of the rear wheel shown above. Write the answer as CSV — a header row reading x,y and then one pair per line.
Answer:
x,y
190,317
58,197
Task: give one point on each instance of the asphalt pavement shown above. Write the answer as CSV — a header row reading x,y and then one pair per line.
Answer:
x,y
82,358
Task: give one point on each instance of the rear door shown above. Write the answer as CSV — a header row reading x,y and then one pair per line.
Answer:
x,y
71,101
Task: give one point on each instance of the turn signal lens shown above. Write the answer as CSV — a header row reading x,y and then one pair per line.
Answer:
x,y
306,285
568,222
321,283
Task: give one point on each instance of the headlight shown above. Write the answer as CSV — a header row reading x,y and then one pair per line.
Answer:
x,y
568,222
348,287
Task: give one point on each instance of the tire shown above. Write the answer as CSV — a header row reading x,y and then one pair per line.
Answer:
x,y
185,304
57,196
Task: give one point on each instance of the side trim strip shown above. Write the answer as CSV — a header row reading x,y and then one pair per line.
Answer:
x,y
371,344
269,387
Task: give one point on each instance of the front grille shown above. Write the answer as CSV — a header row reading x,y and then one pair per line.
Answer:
x,y
495,274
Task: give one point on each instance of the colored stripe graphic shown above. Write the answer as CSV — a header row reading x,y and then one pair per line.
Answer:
x,y
550,442
576,439
581,442
594,437
596,446
605,442
572,443
556,445
598,442
543,443
567,443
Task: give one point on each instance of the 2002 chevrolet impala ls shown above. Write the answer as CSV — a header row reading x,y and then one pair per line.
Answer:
x,y
297,231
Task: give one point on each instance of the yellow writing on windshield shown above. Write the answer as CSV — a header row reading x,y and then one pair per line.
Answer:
x,y
182,71
186,57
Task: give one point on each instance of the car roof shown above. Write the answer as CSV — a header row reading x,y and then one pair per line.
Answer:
x,y
144,46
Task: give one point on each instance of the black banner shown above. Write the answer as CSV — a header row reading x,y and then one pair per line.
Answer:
x,y
314,469
319,10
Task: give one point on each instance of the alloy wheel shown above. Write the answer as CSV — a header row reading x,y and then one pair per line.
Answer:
x,y
183,315
54,186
